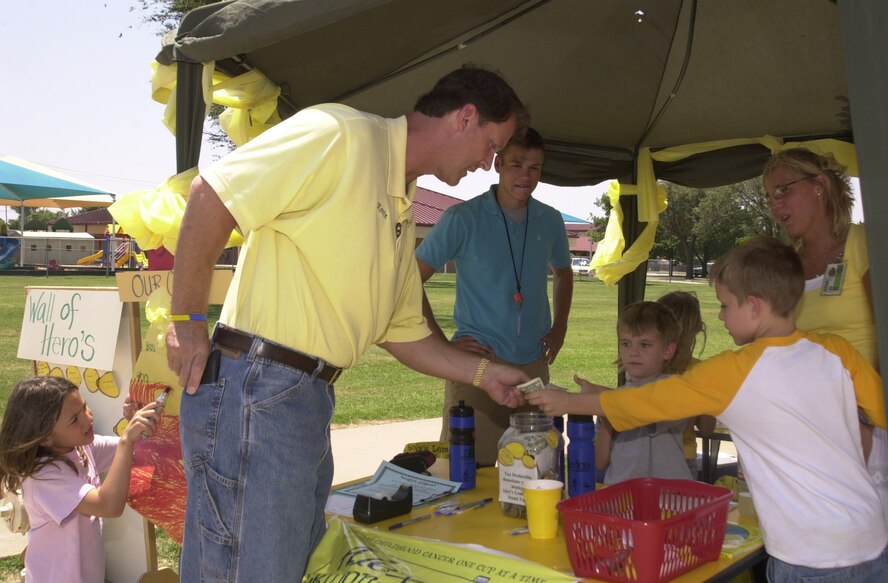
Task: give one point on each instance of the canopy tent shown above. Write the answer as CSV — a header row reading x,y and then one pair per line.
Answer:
x,y
26,184
618,89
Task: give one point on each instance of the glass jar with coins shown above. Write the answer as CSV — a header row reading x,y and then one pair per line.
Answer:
x,y
528,450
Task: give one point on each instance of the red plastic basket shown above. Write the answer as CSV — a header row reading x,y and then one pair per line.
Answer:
x,y
647,529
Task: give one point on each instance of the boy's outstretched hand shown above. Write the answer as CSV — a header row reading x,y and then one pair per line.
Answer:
x,y
587,387
552,402
555,403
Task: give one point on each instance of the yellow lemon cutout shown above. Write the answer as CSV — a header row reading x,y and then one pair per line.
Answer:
x,y
73,374
57,372
505,457
42,368
107,386
552,438
516,449
120,427
91,378
528,461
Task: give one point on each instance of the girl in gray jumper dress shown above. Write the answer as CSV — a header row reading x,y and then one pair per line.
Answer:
x,y
647,336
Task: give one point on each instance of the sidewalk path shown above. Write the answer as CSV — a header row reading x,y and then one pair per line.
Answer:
x,y
11,544
357,452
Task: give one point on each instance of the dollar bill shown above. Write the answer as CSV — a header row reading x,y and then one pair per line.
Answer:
x,y
532,385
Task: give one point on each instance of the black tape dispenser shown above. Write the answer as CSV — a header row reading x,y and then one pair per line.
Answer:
x,y
368,510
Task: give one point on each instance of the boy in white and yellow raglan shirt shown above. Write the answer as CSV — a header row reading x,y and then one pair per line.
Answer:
x,y
790,400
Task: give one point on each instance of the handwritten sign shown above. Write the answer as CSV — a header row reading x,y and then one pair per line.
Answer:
x,y
137,286
72,326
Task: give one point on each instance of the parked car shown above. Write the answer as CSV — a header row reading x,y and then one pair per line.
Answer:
x,y
580,265
698,270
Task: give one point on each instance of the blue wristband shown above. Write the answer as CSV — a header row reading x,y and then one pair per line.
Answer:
x,y
188,317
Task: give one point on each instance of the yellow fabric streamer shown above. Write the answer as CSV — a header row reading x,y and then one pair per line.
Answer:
x,y
250,99
251,105
609,261
154,217
157,312
163,88
613,263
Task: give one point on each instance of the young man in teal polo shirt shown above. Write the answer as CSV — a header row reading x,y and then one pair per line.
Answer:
x,y
503,242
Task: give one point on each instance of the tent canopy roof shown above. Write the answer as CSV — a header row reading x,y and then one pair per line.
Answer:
x,y
601,79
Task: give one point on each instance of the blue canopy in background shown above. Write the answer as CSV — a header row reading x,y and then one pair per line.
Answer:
x,y
27,184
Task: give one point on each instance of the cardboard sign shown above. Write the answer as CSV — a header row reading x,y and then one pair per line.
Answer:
x,y
71,326
137,286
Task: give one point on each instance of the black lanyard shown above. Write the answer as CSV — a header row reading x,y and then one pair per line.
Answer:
x,y
517,296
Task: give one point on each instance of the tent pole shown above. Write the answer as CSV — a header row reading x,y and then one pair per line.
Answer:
x,y
863,23
22,231
631,288
191,111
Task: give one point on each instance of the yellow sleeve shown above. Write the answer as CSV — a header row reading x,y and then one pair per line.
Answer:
x,y
867,382
707,389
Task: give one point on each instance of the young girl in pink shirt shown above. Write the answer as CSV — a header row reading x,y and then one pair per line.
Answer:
x,y
49,451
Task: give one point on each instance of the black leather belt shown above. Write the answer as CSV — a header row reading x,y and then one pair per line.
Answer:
x,y
237,341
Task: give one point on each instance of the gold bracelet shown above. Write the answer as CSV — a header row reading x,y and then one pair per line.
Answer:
x,y
479,372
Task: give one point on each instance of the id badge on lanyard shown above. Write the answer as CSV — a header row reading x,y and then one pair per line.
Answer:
x,y
834,278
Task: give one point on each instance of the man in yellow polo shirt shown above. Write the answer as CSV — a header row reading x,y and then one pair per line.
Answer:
x,y
255,428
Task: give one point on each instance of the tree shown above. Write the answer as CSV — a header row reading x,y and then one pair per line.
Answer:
x,y
678,221
166,14
754,202
38,220
598,225
720,224
700,225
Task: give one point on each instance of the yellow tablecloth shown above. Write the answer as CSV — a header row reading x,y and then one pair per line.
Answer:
x,y
489,527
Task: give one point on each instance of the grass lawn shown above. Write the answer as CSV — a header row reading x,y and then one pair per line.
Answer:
x,y
379,389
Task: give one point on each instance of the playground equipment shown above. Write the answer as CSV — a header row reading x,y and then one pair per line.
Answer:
x,y
123,253
91,258
9,247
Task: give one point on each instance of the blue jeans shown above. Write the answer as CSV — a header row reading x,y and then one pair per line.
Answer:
x,y
870,571
256,449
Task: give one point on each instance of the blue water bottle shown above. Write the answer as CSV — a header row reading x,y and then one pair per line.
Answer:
x,y
462,445
580,455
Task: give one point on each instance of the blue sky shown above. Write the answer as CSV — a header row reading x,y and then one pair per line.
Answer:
x,y
76,98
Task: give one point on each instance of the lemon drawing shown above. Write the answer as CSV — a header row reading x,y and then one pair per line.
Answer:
x,y
73,374
107,386
528,461
552,438
42,368
516,449
57,372
91,377
505,457
120,427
